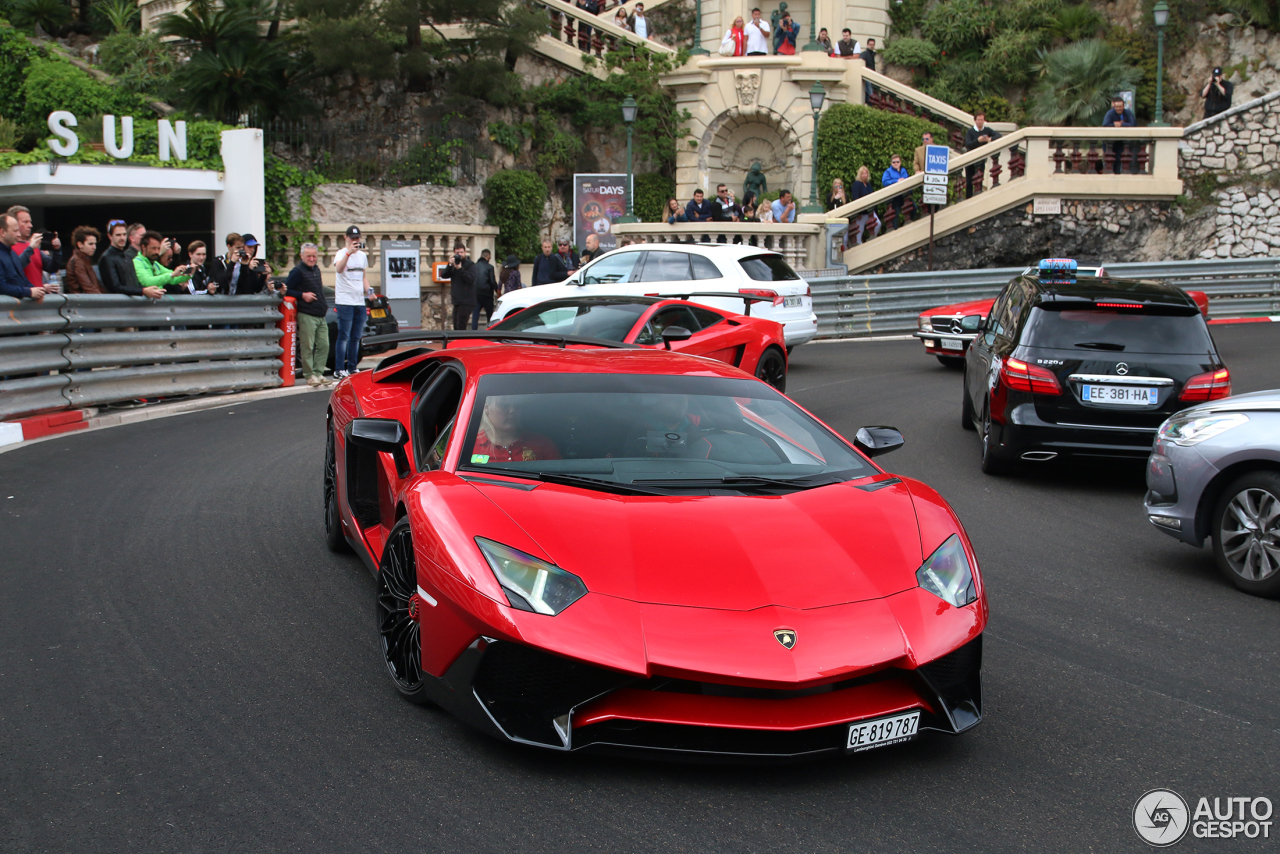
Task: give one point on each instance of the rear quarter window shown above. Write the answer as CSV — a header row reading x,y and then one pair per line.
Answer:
x,y
1092,330
768,268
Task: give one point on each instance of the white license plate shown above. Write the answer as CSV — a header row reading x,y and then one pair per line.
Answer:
x,y
1124,395
881,732
791,302
952,344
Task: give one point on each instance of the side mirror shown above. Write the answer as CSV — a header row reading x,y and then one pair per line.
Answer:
x,y
675,333
874,441
971,323
382,434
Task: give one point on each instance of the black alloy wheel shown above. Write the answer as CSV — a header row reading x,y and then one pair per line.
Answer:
x,y
952,361
399,608
772,368
966,408
333,536
1246,533
990,463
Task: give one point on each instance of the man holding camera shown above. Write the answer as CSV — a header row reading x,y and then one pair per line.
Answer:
x,y
34,260
1217,94
461,274
239,272
350,291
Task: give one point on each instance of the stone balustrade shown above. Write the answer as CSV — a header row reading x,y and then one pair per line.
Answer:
x,y
801,243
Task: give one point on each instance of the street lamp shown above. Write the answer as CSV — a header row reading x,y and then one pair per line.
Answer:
x,y
697,49
629,116
813,28
1161,14
817,95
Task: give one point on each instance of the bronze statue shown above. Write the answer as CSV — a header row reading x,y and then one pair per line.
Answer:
x,y
756,181
777,16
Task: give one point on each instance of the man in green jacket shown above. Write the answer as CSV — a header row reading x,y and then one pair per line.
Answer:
x,y
151,273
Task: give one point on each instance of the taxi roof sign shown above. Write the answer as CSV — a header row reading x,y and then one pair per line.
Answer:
x,y
1058,270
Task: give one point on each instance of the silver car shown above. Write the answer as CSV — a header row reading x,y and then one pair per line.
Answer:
x,y
1215,472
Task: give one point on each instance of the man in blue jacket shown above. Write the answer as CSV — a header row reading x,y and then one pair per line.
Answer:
x,y
699,209
12,282
1118,117
895,173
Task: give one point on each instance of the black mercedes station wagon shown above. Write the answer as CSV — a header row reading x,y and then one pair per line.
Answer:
x,y
1068,365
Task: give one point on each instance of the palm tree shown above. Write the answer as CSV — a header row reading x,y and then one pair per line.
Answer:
x,y
213,27
1077,81
238,80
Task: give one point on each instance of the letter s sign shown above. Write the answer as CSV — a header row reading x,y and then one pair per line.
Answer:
x,y
60,124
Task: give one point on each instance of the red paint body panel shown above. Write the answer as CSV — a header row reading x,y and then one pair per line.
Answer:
x,y
835,707
734,553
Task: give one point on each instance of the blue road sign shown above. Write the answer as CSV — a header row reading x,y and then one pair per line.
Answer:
x,y
936,158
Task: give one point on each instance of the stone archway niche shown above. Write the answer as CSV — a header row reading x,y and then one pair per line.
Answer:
x,y
741,136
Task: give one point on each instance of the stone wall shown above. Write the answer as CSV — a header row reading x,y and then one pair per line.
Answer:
x,y
1090,231
1246,223
421,203
1244,140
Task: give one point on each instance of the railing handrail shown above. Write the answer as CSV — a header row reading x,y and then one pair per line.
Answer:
x,y
915,96
600,23
725,227
1010,140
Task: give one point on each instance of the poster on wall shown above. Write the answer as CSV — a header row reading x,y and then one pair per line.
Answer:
x,y
598,201
401,280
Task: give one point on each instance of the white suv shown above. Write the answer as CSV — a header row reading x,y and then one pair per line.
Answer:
x,y
671,269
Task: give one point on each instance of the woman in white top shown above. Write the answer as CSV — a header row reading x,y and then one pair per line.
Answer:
x,y
734,42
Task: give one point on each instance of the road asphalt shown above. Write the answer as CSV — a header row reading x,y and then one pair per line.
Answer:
x,y
184,667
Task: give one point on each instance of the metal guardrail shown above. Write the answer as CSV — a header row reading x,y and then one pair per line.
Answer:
x,y
89,350
889,304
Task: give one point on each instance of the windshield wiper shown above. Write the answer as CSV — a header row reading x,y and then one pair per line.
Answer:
x,y
574,480
1100,345
804,482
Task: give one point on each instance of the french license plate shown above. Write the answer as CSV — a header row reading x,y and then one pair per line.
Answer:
x,y
377,312
1124,395
791,302
952,344
881,732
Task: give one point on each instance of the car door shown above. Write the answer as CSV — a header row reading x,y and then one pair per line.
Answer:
x,y
978,361
664,272
612,274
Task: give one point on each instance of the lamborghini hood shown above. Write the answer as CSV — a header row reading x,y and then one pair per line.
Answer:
x,y
808,549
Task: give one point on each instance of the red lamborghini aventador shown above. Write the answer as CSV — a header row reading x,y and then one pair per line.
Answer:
x,y
622,549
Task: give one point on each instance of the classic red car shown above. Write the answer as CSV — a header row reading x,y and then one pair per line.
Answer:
x,y
756,345
583,546
948,329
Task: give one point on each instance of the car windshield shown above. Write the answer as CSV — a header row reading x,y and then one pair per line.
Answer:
x,y
768,268
1118,331
608,320
659,433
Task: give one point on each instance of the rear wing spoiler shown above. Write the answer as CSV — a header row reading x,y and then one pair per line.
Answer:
x,y
747,299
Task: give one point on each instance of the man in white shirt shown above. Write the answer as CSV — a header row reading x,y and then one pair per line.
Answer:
x,y
638,23
350,290
757,35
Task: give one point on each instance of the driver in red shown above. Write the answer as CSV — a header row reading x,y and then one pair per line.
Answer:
x,y
501,439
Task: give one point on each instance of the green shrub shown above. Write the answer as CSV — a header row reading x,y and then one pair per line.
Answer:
x,y
957,25
996,107
9,133
651,193
1142,53
1010,55
16,53
515,200
906,15
50,15
509,136
851,135
139,62
911,52
55,85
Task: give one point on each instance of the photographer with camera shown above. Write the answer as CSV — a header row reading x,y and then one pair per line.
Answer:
x,y
350,291
239,272
1217,94
461,274
32,257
